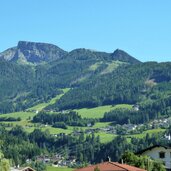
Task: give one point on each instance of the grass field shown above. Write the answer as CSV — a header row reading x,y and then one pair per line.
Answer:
x,y
101,124
98,112
51,130
51,168
104,137
26,115
41,106
22,115
150,132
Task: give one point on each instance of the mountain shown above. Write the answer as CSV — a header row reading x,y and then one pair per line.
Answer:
x,y
87,54
128,84
33,52
94,78
120,55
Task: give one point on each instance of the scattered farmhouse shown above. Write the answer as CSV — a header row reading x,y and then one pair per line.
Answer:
x,y
160,153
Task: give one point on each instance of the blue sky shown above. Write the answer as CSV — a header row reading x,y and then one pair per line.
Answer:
x,y
140,27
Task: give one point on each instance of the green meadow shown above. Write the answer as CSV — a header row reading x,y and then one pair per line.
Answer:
x,y
104,137
143,134
41,106
22,115
29,114
98,112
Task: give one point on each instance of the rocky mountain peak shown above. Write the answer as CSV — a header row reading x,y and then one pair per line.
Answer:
x,y
33,52
123,56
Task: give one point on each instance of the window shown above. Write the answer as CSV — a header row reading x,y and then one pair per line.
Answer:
x,y
161,154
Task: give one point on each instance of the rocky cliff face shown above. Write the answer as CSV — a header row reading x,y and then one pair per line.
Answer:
x,y
8,54
33,52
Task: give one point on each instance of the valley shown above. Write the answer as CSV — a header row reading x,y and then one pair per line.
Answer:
x,y
68,107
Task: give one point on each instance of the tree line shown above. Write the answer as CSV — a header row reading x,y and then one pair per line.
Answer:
x,y
85,147
61,120
128,84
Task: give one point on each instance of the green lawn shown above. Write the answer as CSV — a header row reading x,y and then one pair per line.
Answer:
x,y
98,112
51,168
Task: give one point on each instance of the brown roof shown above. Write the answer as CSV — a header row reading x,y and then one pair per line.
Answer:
x,y
111,166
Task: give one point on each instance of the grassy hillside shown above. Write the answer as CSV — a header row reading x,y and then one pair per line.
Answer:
x,y
22,115
41,106
112,66
98,112
150,132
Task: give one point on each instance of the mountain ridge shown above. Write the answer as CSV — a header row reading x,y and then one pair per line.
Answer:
x,y
33,52
94,78
123,56
36,52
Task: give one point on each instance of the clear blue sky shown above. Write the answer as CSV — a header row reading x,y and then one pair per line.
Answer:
x,y
140,27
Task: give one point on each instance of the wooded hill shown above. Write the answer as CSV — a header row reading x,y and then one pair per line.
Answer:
x,y
33,72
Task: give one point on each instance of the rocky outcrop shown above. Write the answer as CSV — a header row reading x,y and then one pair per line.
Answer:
x,y
33,52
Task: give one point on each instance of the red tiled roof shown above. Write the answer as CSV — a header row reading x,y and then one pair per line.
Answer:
x,y
111,166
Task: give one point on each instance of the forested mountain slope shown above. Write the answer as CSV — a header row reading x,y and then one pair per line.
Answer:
x,y
127,84
34,72
95,78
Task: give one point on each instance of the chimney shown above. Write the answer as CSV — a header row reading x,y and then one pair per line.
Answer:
x,y
109,159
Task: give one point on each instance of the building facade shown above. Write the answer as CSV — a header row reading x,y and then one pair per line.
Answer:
x,y
160,153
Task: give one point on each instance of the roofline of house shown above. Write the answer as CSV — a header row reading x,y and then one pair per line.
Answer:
x,y
119,165
150,148
115,163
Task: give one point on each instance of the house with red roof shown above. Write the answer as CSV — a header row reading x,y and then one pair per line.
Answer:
x,y
110,166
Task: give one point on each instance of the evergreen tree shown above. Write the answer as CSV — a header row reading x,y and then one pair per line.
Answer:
x,y
4,163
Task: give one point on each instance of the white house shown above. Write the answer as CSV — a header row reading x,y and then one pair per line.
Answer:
x,y
159,152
